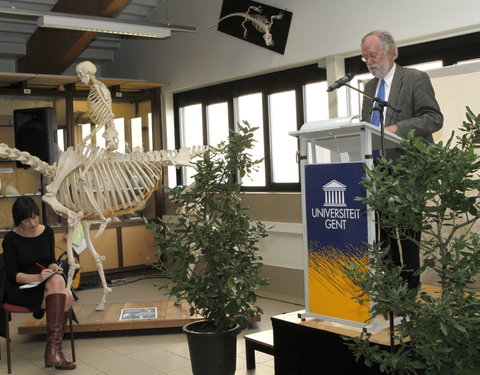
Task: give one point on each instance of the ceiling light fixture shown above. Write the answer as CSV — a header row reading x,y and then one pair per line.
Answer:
x,y
95,24
103,26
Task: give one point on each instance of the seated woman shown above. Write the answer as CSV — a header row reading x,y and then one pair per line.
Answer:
x,y
29,250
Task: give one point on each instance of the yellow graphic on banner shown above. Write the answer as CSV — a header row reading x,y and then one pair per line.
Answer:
x,y
330,292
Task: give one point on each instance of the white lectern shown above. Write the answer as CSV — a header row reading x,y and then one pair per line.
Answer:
x,y
337,226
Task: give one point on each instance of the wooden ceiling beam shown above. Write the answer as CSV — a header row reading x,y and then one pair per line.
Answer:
x,y
52,51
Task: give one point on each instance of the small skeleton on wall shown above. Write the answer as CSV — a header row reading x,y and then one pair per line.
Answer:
x,y
99,184
260,24
258,20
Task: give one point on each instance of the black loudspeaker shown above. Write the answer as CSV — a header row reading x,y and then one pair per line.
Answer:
x,y
36,133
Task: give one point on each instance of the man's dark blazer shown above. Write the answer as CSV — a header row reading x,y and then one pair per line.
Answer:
x,y
413,94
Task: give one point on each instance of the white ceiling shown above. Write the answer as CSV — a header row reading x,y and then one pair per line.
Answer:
x,y
14,33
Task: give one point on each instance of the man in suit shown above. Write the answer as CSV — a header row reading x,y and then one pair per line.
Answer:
x,y
411,91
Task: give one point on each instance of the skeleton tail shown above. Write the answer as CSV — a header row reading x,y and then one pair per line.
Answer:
x,y
25,158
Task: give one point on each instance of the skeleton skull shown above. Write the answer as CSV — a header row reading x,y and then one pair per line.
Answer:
x,y
85,70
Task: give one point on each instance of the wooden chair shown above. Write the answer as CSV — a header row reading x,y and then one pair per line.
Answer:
x,y
12,309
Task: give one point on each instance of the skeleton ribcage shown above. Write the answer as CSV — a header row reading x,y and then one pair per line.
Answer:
x,y
112,186
100,108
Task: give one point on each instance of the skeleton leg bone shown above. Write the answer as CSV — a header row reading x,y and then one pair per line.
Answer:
x,y
97,208
98,262
72,264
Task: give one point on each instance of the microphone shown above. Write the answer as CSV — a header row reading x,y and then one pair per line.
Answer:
x,y
340,82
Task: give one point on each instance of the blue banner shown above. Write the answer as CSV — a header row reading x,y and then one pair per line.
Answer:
x,y
337,233
333,214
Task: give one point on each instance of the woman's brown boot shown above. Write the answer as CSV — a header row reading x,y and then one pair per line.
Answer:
x,y
55,306
65,363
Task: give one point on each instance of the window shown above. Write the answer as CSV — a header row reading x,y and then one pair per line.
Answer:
x,y
86,130
136,131
171,171
355,98
316,101
275,103
191,133
316,109
120,128
217,123
61,139
250,110
192,128
150,131
99,140
306,87
283,119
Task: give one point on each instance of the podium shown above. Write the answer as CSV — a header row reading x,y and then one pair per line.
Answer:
x,y
337,226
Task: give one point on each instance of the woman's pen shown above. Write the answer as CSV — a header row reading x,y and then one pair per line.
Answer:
x,y
42,267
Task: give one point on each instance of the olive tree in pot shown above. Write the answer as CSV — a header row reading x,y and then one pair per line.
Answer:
x,y
210,253
433,188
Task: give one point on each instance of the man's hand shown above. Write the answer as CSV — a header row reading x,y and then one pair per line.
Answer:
x,y
392,128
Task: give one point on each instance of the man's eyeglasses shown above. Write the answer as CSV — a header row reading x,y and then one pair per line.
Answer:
x,y
372,56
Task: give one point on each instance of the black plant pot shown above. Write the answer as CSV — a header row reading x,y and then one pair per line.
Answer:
x,y
211,353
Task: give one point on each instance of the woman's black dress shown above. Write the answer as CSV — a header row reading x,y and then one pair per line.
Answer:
x,y
21,254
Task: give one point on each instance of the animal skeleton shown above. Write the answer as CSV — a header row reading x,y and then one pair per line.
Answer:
x,y
258,20
90,183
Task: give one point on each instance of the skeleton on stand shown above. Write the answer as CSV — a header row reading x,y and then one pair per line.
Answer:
x,y
100,105
94,184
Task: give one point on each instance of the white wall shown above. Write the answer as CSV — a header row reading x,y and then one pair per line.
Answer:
x,y
318,29
456,87
284,245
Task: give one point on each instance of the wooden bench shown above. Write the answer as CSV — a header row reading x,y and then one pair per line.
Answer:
x,y
261,341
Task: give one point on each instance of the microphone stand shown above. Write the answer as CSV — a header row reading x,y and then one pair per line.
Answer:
x,y
381,105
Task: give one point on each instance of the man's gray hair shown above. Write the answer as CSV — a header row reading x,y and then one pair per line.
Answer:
x,y
386,40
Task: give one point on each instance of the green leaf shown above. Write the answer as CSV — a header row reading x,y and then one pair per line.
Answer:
x,y
432,187
443,329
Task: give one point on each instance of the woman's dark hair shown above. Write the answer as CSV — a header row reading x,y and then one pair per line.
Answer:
x,y
24,208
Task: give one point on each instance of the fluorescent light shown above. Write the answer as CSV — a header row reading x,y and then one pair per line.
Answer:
x,y
102,26
80,20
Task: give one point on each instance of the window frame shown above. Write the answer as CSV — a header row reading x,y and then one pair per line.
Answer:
x,y
288,80
450,50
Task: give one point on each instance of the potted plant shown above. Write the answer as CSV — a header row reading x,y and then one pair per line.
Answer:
x,y
437,334
210,253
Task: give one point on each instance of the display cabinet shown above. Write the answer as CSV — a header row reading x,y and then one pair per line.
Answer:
x,y
136,105
14,181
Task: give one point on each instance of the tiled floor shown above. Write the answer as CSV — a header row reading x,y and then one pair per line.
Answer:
x,y
142,353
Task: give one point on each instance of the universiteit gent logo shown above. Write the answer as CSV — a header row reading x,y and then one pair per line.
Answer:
x,y
335,213
334,194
